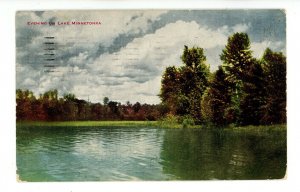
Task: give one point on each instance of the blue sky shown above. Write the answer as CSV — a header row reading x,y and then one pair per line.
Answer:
x,y
125,56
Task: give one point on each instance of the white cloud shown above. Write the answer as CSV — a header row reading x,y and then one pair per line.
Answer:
x,y
29,82
134,72
144,59
242,27
258,48
80,59
227,31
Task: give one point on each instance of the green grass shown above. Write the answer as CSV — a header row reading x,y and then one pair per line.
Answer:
x,y
88,123
176,125
160,124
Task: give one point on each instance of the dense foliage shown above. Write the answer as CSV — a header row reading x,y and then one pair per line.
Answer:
x,y
183,87
216,99
49,107
244,90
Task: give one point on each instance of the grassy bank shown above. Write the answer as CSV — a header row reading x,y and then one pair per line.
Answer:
x,y
88,123
160,124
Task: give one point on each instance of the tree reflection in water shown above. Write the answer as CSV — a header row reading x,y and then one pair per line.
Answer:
x,y
192,154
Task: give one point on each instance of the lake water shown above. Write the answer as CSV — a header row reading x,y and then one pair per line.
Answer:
x,y
115,154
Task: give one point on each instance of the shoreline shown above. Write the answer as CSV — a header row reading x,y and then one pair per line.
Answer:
x,y
154,124
86,123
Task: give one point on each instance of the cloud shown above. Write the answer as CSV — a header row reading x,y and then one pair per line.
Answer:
x,y
258,48
125,57
111,34
241,27
79,59
139,65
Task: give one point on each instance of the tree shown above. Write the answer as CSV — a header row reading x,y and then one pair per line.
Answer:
x,y
182,88
170,88
274,107
136,107
193,57
96,111
237,56
237,61
69,97
194,79
253,95
25,100
51,95
84,111
105,100
70,109
48,107
216,99
113,105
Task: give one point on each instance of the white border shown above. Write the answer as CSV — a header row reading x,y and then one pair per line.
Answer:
x,y
7,97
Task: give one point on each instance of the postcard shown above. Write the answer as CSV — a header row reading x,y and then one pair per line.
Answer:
x,y
151,95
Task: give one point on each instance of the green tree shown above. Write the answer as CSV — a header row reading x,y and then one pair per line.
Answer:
x,y
274,107
193,80
253,95
69,97
237,61
170,88
51,95
105,100
237,56
182,88
216,99
193,57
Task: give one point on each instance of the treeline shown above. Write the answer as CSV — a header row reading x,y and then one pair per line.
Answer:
x,y
243,91
49,107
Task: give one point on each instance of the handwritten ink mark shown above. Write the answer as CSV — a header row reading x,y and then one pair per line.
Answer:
x,y
49,71
49,65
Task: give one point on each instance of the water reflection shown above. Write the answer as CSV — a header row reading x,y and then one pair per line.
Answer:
x,y
89,154
206,154
112,153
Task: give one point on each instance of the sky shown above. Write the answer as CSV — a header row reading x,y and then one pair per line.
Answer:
x,y
125,56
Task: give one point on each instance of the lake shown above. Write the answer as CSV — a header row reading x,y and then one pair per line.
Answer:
x,y
145,153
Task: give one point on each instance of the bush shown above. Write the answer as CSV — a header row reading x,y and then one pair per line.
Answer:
x,y
187,121
169,121
172,121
